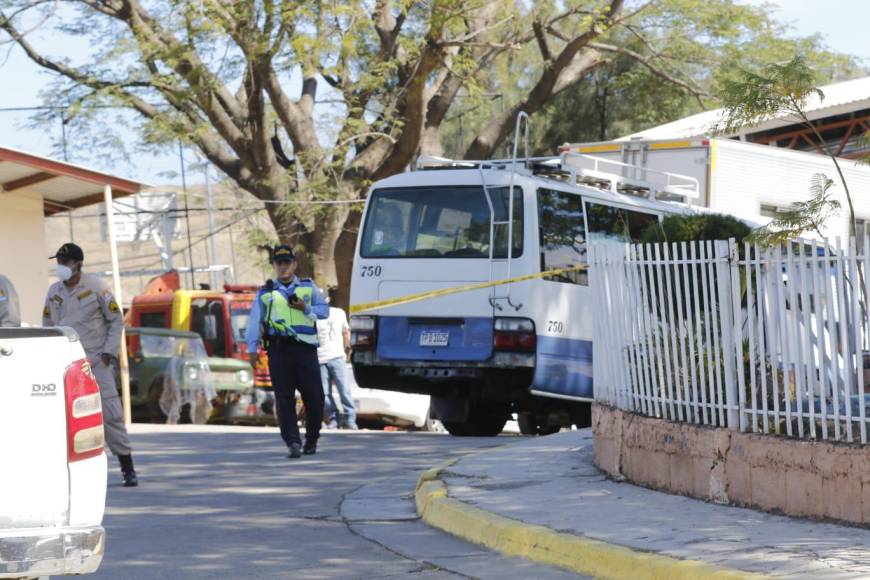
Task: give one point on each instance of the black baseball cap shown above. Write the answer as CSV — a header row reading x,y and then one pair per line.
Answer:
x,y
282,253
69,251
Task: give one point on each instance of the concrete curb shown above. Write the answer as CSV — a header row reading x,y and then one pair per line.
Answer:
x,y
546,546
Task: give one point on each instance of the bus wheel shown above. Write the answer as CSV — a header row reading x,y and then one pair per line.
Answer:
x,y
548,429
531,424
457,429
527,423
488,425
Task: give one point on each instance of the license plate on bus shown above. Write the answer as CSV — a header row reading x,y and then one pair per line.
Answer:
x,y
434,338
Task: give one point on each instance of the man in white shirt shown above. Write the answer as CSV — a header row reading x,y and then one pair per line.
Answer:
x,y
334,337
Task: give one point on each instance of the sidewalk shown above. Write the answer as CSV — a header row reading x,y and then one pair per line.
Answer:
x,y
552,482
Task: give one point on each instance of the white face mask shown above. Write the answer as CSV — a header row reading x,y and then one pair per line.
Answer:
x,y
64,273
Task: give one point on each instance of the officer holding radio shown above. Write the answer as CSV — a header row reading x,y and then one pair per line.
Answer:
x,y
284,316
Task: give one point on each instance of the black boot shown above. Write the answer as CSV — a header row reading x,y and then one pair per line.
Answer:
x,y
130,479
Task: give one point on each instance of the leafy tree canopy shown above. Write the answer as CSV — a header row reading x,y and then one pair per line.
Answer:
x,y
352,91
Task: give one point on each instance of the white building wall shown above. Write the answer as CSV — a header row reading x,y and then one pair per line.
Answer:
x,y
746,176
23,255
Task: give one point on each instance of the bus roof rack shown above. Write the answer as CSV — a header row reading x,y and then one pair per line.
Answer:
x,y
429,162
631,179
578,168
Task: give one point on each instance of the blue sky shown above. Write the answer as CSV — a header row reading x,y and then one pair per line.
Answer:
x,y
842,23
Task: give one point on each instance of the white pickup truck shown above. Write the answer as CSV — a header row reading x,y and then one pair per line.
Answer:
x,y
52,465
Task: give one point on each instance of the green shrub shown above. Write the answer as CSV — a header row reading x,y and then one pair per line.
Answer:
x,y
686,228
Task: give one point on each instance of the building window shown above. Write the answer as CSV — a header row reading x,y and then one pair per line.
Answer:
x,y
768,210
772,211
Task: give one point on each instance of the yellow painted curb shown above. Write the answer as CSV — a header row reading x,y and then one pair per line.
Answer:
x,y
546,546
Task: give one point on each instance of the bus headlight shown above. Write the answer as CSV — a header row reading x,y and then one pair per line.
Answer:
x,y
244,376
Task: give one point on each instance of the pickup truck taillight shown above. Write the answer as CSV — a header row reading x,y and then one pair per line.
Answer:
x,y
84,412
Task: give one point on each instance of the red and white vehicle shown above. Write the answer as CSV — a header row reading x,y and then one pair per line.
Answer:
x,y
53,474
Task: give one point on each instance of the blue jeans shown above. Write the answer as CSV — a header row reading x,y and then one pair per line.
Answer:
x,y
335,370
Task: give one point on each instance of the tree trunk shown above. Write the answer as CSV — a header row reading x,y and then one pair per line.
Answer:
x,y
328,227
430,142
344,254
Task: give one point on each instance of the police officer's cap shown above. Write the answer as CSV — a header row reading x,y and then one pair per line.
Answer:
x,y
69,251
282,253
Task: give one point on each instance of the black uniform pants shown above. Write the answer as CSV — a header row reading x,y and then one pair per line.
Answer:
x,y
294,365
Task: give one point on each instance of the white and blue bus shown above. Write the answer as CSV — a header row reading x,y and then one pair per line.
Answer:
x,y
485,353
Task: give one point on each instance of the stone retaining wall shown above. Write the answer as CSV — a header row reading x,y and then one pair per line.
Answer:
x,y
799,478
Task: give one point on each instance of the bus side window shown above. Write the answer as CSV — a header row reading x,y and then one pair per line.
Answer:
x,y
638,222
562,235
615,224
607,223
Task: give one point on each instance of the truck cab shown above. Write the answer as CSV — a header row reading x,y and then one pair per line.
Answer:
x,y
220,317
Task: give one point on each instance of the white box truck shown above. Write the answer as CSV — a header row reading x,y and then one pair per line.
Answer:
x,y
746,180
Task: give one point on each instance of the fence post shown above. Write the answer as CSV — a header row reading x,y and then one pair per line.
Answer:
x,y
727,316
737,310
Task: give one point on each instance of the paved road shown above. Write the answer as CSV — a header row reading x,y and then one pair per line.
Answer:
x,y
223,502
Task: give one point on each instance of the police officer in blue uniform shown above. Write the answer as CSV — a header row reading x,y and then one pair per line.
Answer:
x,y
284,316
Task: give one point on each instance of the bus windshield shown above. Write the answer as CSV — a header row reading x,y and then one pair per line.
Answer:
x,y
440,222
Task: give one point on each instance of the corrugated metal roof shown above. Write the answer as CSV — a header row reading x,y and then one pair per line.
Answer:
x,y
840,98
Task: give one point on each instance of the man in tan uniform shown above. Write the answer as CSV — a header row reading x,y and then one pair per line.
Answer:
x,y
10,315
83,302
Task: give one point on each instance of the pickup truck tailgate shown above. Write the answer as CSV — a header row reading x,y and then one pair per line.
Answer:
x,y
34,477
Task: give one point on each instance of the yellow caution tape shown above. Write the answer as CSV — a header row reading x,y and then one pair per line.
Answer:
x,y
366,306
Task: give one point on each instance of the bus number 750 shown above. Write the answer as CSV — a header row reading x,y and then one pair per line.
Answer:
x,y
555,327
370,271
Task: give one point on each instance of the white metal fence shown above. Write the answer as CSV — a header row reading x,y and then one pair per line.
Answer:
x,y
765,340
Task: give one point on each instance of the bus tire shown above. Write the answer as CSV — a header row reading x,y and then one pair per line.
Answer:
x,y
457,429
527,423
488,425
582,415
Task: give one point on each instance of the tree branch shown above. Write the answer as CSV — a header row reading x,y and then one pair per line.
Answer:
x,y
648,62
538,28
559,73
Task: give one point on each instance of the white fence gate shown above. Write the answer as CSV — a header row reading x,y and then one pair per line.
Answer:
x,y
769,340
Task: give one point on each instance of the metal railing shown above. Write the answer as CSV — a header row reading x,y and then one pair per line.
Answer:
x,y
764,340
651,179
